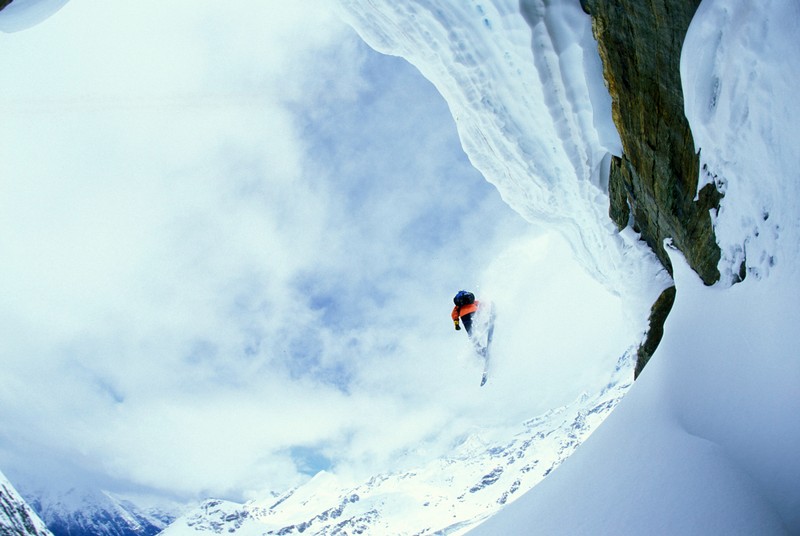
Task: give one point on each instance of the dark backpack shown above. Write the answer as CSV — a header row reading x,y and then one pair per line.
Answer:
x,y
464,298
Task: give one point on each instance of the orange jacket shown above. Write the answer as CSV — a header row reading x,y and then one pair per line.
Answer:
x,y
458,312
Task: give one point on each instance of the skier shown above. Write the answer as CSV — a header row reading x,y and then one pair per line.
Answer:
x,y
465,311
466,306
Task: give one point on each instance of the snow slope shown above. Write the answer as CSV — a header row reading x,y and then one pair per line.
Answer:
x,y
16,517
706,441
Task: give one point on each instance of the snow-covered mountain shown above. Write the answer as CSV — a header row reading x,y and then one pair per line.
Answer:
x,y
16,517
484,472
92,512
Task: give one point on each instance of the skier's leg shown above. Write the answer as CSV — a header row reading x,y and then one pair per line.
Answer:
x,y
467,321
474,335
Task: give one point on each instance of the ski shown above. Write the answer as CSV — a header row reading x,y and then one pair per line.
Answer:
x,y
484,352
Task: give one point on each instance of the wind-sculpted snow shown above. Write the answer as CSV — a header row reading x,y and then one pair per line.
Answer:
x,y
485,471
754,161
523,81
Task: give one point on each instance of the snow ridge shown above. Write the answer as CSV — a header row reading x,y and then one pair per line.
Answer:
x,y
534,116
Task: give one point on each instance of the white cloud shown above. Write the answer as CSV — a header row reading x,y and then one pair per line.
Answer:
x,y
230,233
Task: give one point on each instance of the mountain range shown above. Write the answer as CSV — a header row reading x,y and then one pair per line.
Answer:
x,y
87,511
485,471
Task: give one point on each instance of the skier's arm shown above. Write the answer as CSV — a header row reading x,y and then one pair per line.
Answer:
x,y
454,315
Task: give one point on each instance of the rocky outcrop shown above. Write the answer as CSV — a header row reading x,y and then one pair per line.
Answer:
x,y
653,186
658,315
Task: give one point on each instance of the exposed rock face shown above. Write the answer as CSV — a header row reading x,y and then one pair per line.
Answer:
x,y
4,3
653,186
658,315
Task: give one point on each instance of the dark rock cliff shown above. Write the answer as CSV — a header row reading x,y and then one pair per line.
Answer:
x,y
654,184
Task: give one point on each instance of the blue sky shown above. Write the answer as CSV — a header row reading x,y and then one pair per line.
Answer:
x,y
231,240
